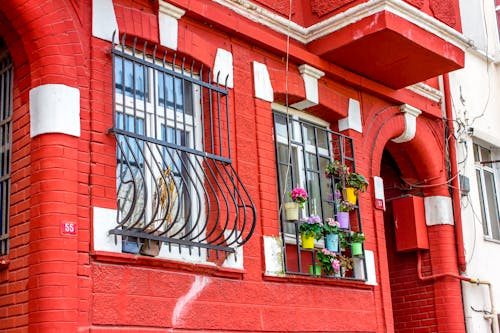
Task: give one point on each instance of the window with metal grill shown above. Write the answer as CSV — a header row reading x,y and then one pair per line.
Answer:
x,y
177,190
304,147
5,145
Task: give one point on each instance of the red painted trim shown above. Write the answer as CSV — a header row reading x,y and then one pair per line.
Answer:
x,y
130,259
454,187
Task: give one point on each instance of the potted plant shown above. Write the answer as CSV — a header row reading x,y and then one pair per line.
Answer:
x,y
345,264
331,229
357,239
330,264
343,209
336,169
310,229
299,197
354,183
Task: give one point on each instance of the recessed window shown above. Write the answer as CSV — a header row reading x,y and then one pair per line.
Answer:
x,y
305,148
177,191
5,147
486,177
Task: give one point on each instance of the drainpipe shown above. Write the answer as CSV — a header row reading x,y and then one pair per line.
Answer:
x,y
455,195
491,316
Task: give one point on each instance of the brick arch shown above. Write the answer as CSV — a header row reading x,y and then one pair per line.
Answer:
x,y
48,33
424,153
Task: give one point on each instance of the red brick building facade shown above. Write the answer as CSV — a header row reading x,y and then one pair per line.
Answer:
x,y
191,99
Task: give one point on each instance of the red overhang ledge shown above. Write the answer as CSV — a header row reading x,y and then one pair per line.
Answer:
x,y
389,49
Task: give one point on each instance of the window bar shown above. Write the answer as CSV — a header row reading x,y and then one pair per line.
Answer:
x,y
219,126
174,92
227,121
183,95
210,108
202,148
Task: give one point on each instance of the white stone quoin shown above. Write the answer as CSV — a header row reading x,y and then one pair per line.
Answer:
x,y
103,221
273,256
310,75
262,82
54,108
353,119
223,68
168,17
104,22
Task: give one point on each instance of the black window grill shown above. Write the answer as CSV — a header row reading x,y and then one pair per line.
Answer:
x,y
6,75
303,151
176,183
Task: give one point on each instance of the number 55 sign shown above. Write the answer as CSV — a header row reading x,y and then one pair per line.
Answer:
x,y
69,228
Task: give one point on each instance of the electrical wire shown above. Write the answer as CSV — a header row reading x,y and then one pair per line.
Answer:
x,y
287,60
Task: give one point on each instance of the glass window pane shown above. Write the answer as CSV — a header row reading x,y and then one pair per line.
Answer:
x,y
481,201
489,180
283,153
311,162
309,137
314,201
476,153
485,154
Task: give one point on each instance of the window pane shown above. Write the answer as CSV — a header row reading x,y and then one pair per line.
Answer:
x,y
492,204
481,201
476,153
485,154
311,162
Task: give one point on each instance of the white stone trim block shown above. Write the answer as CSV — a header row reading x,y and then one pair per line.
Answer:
x,y
371,276
410,113
310,75
233,260
223,68
438,210
273,256
54,108
103,221
104,22
168,16
262,82
353,119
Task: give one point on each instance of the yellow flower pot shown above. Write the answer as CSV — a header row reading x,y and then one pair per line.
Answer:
x,y
307,241
350,195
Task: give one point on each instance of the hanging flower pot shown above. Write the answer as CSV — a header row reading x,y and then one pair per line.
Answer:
x,y
332,242
343,219
291,211
350,195
356,249
307,241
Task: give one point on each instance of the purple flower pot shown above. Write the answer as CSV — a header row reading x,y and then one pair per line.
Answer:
x,y
343,219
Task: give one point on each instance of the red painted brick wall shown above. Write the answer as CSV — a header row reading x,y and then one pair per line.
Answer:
x,y
55,283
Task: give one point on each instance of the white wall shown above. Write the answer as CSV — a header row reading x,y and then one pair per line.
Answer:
x,y
475,95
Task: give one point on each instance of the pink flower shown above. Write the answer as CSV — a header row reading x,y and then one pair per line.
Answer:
x,y
299,194
335,264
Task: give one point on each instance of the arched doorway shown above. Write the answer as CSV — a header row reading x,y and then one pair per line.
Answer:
x,y
412,299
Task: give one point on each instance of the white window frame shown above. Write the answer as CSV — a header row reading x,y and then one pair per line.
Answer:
x,y
480,171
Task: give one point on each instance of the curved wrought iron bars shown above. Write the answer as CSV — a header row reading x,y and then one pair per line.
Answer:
x,y
175,180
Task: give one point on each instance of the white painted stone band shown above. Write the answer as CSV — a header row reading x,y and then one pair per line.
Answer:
x,y
54,108
438,210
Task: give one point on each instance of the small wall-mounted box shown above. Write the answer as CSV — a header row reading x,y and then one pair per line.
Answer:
x,y
409,224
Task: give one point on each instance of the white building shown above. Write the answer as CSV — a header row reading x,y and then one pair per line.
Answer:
x,y
475,92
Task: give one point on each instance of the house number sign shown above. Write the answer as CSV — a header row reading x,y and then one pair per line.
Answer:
x,y
69,228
